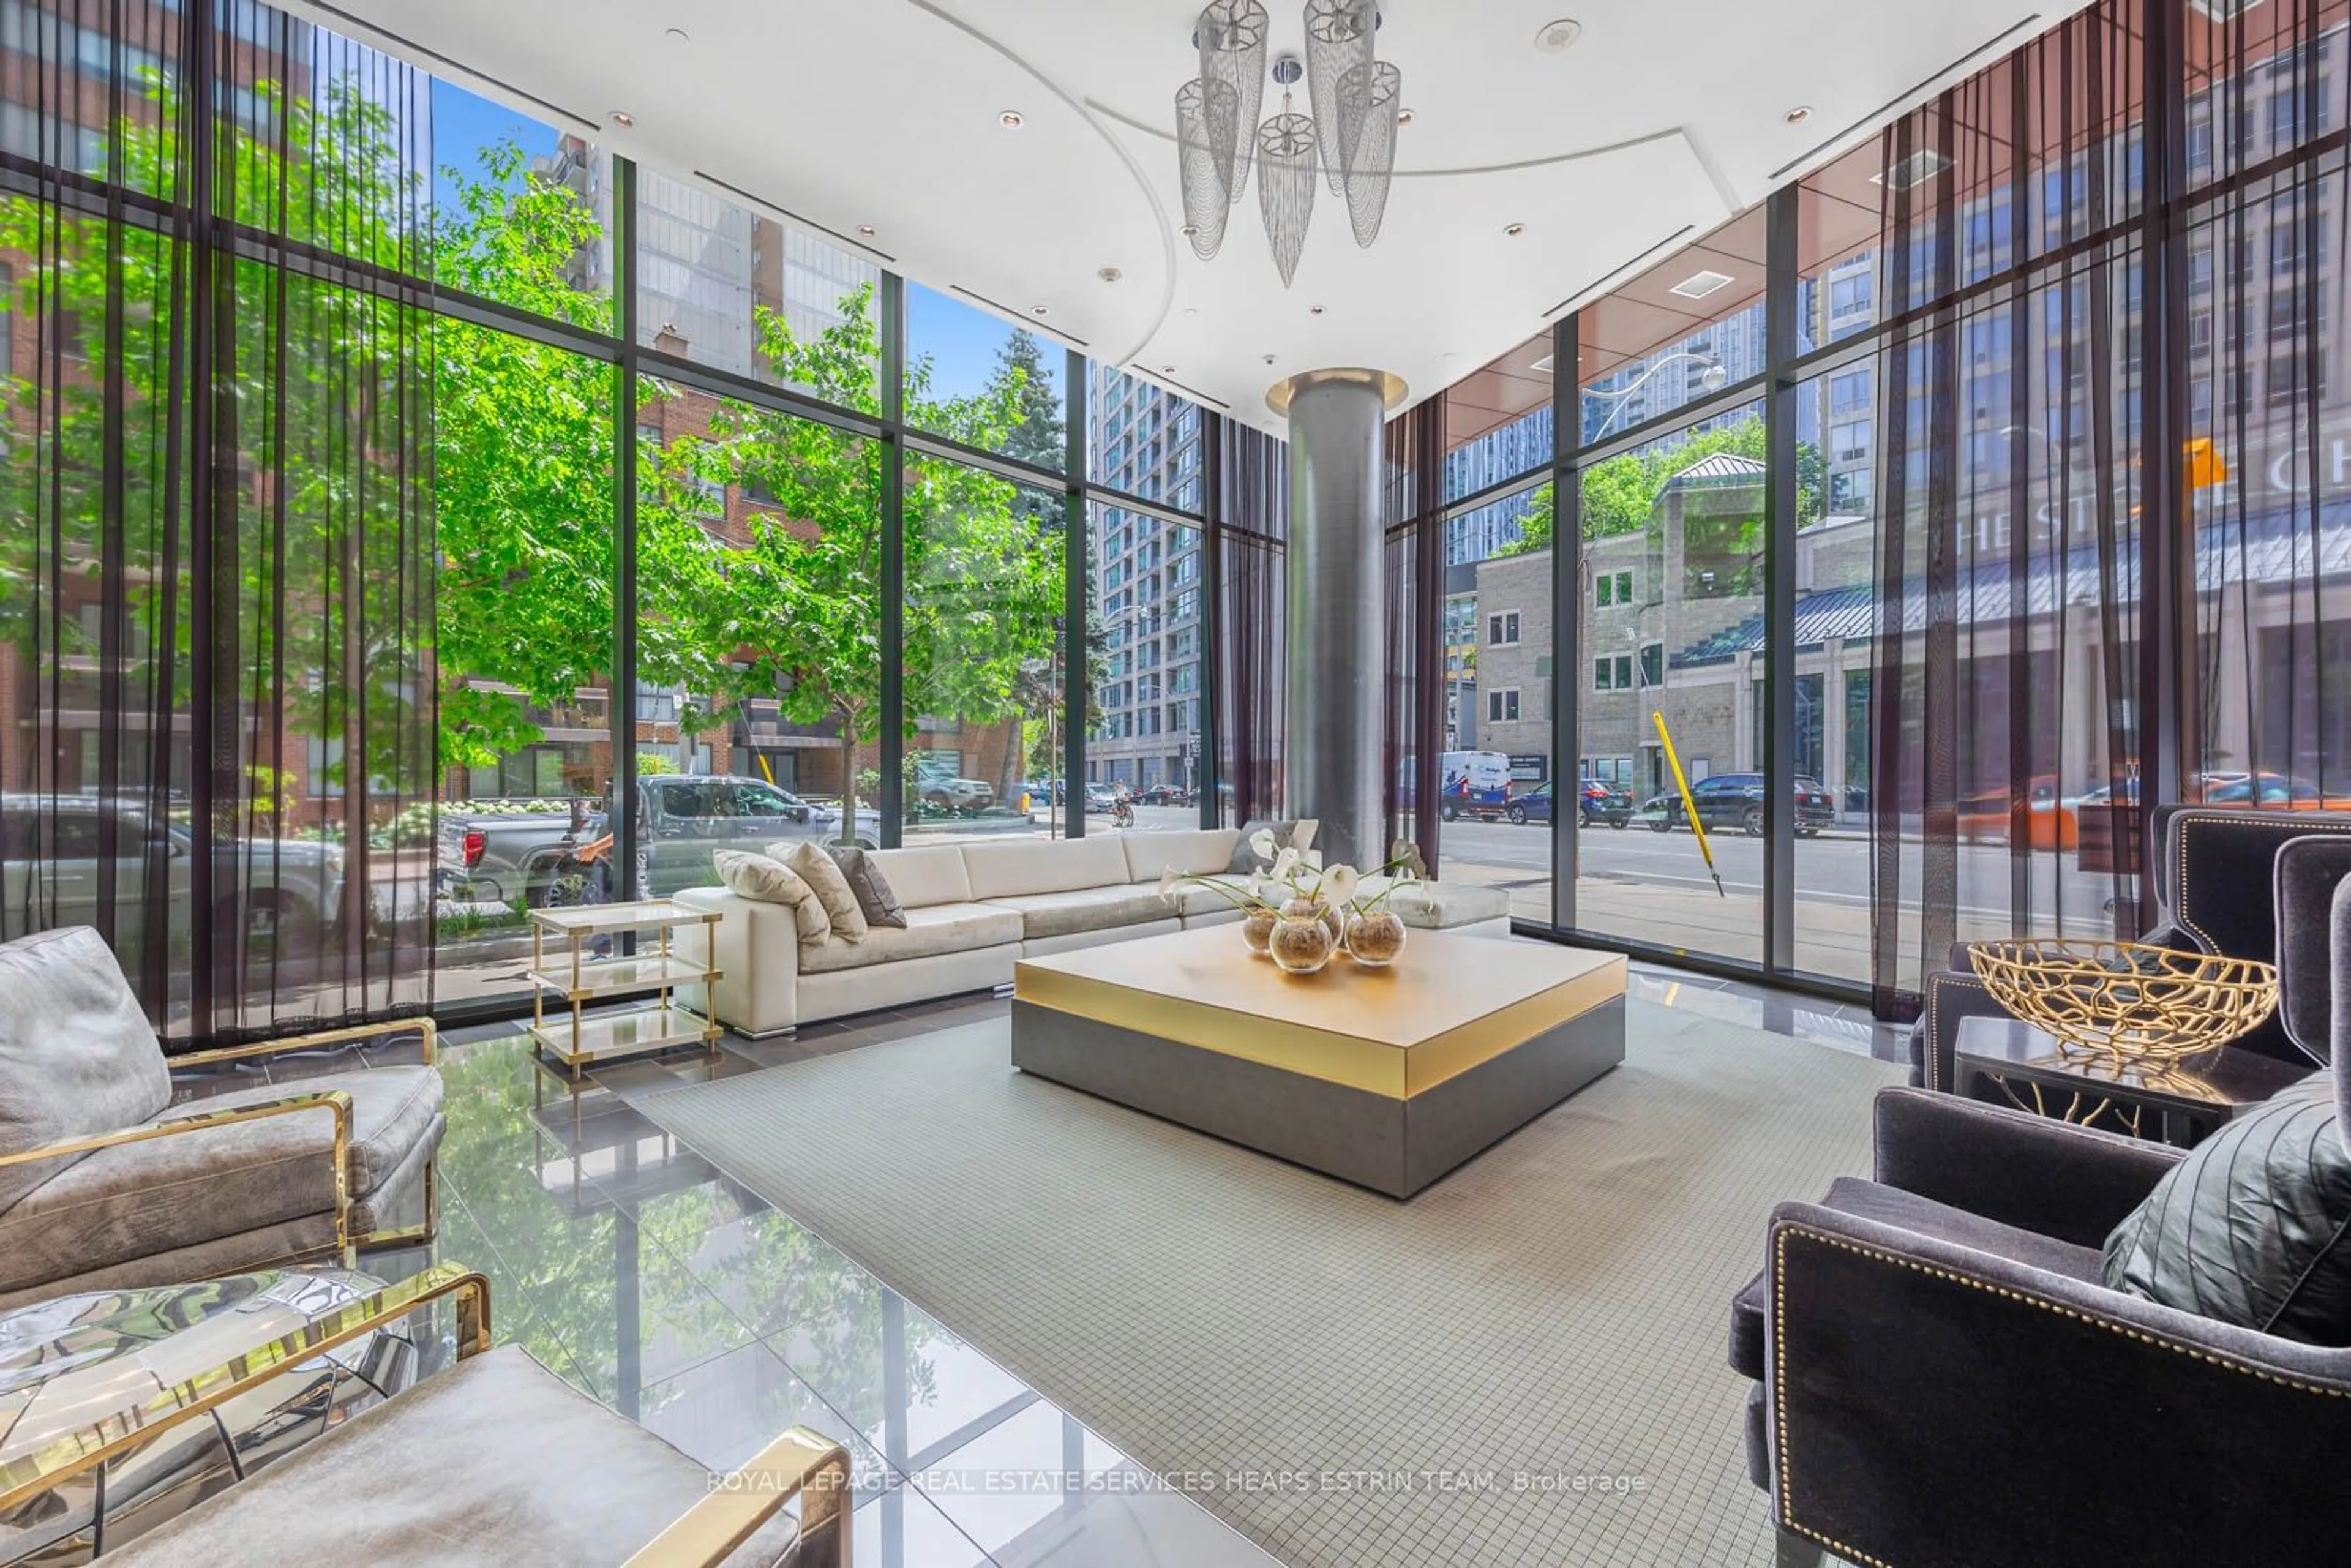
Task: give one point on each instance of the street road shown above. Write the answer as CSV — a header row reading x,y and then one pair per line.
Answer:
x,y
1831,869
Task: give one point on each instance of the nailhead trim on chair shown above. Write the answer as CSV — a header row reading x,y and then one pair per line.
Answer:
x,y
1779,1361
1931,1024
2190,820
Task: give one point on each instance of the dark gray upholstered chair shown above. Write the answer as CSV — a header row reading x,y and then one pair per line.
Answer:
x,y
1941,1376
105,1183
2218,896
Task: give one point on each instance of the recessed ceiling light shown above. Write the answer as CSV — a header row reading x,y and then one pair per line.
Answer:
x,y
1557,37
1110,274
1011,120
1191,229
865,229
1314,310
1166,369
1699,285
621,117
1269,358
1039,310
1404,117
1514,230
1798,115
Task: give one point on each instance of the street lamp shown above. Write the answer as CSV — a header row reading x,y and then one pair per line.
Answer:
x,y
1713,379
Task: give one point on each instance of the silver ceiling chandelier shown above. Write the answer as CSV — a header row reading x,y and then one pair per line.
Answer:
x,y
1348,141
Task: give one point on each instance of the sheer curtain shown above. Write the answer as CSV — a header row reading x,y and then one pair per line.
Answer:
x,y
2113,468
1415,523
217,745
1251,525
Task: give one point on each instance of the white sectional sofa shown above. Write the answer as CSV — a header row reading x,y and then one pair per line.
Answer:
x,y
974,909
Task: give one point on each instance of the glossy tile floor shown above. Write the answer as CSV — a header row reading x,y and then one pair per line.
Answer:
x,y
639,1272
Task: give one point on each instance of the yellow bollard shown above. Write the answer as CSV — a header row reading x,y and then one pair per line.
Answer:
x,y
1689,805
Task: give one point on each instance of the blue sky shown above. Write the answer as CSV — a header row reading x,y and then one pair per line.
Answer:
x,y
962,343
464,123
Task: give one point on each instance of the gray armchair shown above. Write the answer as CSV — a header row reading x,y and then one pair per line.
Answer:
x,y
1942,1377
104,1183
2219,896
495,1459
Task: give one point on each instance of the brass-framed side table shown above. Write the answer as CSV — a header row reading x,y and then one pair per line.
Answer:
x,y
2009,1063
650,977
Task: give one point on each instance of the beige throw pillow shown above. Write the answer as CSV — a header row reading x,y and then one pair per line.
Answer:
x,y
820,872
767,880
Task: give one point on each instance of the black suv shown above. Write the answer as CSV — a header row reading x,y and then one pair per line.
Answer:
x,y
1736,800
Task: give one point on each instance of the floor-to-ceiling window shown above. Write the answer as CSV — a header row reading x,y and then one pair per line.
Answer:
x,y
572,503
1146,601
1498,779
2048,344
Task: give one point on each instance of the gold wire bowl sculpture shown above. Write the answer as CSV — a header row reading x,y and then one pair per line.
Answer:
x,y
2128,1000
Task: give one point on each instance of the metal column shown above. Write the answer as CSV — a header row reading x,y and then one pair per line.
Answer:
x,y
1337,611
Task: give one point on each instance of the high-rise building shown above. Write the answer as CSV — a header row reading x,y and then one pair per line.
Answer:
x,y
1147,586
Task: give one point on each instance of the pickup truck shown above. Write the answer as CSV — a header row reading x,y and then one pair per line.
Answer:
x,y
53,875
681,819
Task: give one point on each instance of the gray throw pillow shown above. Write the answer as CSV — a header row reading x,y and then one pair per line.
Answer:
x,y
76,1054
819,870
766,880
2253,1227
873,889
1246,861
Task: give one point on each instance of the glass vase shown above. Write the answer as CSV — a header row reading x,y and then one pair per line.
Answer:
x,y
1375,938
1301,943
1257,931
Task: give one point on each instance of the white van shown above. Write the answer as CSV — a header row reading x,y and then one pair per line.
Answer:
x,y
1475,783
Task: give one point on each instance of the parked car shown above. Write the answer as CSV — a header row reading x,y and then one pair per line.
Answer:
x,y
2051,822
1475,784
681,819
1042,792
1600,805
1736,800
1167,795
1605,804
52,873
967,796
2273,791
1100,800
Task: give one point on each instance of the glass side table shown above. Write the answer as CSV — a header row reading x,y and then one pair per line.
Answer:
x,y
78,1369
2009,1062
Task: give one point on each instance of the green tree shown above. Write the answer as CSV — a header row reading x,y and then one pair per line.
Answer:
x,y
322,527
521,484
524,487
1037,433
799,603
1620,493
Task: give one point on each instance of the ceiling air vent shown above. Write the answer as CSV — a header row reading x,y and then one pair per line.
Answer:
x,y
1913,171
1699,285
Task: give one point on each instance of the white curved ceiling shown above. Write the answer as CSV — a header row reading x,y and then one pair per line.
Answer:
x,y
1663,120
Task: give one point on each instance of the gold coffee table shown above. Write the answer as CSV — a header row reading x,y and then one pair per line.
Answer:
x,y
1388,1078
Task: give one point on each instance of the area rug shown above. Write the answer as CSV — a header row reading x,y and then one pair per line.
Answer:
x,y
1523,1364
